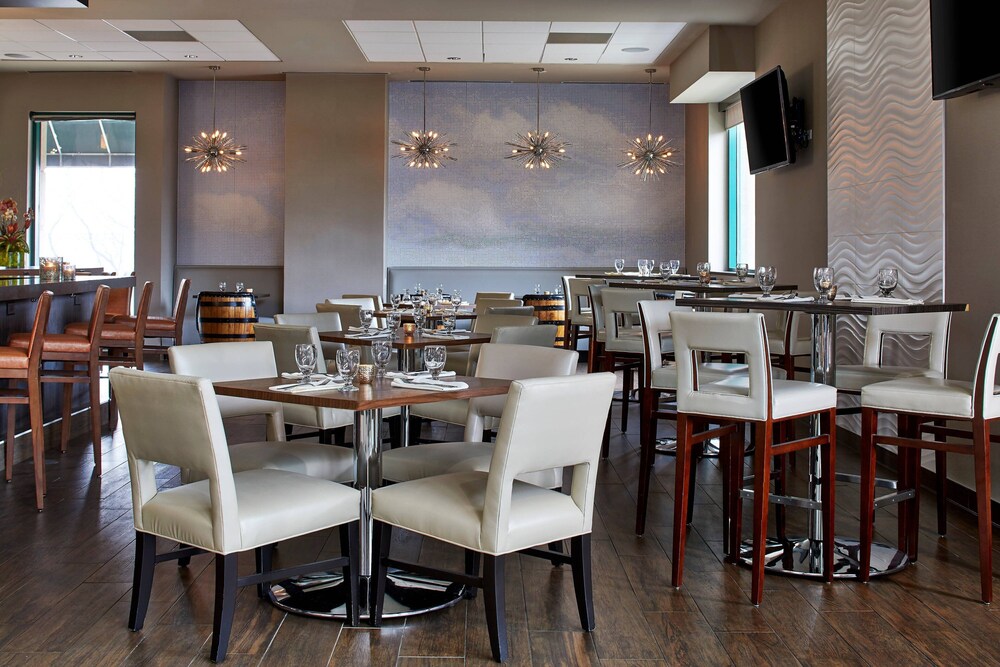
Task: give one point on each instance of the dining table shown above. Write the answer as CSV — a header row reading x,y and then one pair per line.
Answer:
x,y
323,595
692,284
802,555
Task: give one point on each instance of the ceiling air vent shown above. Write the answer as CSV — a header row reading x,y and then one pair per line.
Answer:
x,y
160,36
578,38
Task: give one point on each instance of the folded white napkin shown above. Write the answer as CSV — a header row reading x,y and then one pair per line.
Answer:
x,y
885,299
417,374
428,384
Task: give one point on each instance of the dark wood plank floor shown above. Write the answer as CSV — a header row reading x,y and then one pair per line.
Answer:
x,y
65,578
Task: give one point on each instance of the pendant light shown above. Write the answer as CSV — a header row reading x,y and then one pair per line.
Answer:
x,y
215,151
424,149
537,149
649,157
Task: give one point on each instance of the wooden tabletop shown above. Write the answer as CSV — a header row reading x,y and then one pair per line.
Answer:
x,y
715,287
839,307
403,341
379,394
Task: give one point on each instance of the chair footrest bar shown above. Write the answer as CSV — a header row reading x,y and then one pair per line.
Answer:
x,y
893,498
295,571
880,482
792,501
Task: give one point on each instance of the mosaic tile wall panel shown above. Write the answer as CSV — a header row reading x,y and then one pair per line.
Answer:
x,y
486,211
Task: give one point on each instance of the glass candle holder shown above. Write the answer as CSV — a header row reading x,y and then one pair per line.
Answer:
x,y
365,373
48,268
68,271
409,328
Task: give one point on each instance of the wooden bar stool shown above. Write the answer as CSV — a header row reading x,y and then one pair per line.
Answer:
x,y
17,365
916,400
68,351
164,326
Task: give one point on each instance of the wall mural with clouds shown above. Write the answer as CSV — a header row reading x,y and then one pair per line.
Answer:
x,y
486,211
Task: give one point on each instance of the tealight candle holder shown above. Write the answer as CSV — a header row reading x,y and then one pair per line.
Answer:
x,y
48,268
409,328
68,271
365,373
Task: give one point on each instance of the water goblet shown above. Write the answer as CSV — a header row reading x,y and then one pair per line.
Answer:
x,y
239,287
538,288
823,281
381,353
432,299
619,265
766,276
222,285
347,365
366,315
434,358
449,319
392,321
456,297
742,271
305,359
887,281
395,300
704,272
419,317
641,265
674,266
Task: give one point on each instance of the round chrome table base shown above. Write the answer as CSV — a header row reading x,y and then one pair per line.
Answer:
x,y
668,447
323,595
804,558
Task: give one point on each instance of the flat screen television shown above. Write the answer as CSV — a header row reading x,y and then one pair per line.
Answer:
x,y
765,120
964,53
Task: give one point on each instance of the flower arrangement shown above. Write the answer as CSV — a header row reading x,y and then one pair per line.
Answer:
x,y
13,236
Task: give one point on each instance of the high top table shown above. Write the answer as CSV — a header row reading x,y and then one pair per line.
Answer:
x,y
322,595
803,556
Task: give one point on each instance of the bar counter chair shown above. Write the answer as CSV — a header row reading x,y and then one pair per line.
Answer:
x,y
75,359
579,314
19,365
225,513
915,400
623,342
164,327
756,399
547,423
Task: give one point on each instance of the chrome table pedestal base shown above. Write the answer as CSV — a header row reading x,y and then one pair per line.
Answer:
x,y
324,595
804,558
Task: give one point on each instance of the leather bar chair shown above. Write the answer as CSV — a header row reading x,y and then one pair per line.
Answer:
x,y
75,359
242,361
933,329
579,314
169,327
623,344
788,337
225,513
539,335
18,366
119,303
499,361
598,333
758,400
547,423
915,400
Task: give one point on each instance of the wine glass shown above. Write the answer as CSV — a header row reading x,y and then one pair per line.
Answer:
x,y
664,269
887,281
456,297
432,299
392,321
381,353
449,319
366,315
239,286
419,317
823,281
619,265
673,266
305,359
396,299
766,276
742,271
641,264
704,272
434,357
348,361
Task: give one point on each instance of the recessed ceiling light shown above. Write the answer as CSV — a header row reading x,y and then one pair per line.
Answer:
x,y
570,59
634,49
75,55
453,58
15,55
192,56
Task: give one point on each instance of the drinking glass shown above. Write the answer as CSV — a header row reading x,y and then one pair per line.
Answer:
x,y
887,281
766,277
305,359
456,297
538,288
641,264
366,315
674,266
742,271
419,317
396,299
348,361
448,319
222,285
619,265
823,282
381,353
664,269
392,321
434,357
432,299
704,272
239,287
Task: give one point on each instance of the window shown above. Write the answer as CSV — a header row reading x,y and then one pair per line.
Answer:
x,y
740,199
84,190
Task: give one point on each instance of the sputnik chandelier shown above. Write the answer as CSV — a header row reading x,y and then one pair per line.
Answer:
x,y
649,157
424,149
537,149
215,151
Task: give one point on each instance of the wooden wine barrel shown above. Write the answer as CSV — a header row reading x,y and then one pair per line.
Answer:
x,y
226,316
550,309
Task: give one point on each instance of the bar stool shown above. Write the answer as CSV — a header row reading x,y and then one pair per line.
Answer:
x,y
164,326
915,400
756,399
579,314
18,365
68,351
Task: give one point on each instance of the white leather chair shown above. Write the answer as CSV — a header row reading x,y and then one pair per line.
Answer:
x,y
547,423
915,400
756,399
492,295
242,361
463,360
504,362
350,313
484,305
623,342
578,310
373,301
322,322
788,336
511,310
226,513
598,333
540,335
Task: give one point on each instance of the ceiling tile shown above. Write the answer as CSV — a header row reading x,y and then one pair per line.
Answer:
x,y
139,24
133,56
380,26
105,47
616,57
451,38
649,28
229,37
513,39
228,49
516,26
513,54
211,26
583,26
19,24
584,53
174,47
389,53
78,55
388,38
29,55
40,34
474,54
449,26
251,57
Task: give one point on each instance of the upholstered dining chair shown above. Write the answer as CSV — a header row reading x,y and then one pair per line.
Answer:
x,y
492,295
484,305
511,310
498,361
623,341
254,359
788,337
915,400
463,360
547,423
349,313
756,399
322,322
225,513
540,335
579,314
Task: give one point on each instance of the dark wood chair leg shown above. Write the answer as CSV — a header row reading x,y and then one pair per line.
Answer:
x,y
869,425
580,553
67,412
415,424
735,528
626,394
941,482
94,388
381,537
761,486
263,557
37,439
326,436
981,454
647,454
473,561
395,432
697,452
557,547
142,579
828,454
350,547
225,604
606,440
682,478
9,444
493,597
